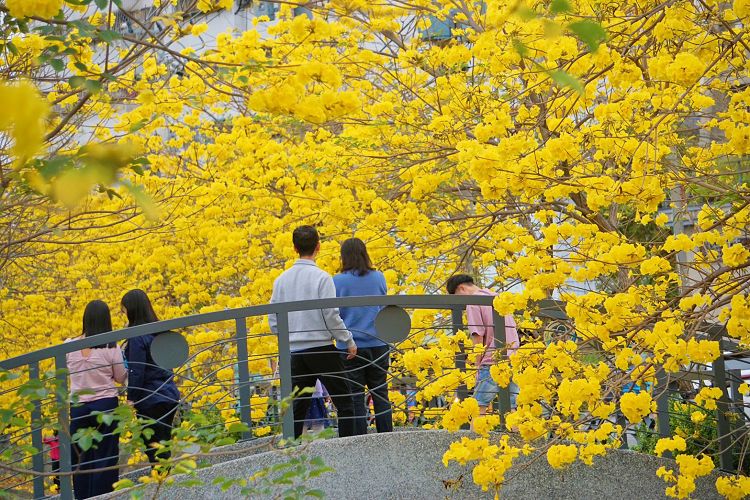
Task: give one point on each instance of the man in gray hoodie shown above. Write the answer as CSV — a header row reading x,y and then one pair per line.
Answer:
x,y
311,333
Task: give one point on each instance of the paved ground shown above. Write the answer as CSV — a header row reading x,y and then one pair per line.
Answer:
x,y
407,465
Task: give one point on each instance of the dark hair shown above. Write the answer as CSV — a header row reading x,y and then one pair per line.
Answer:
x,y
459,279
354,257
97,319
138,308
305,239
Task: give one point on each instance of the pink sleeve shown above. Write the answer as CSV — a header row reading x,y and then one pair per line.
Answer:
x,y
511,335
474,321
119,373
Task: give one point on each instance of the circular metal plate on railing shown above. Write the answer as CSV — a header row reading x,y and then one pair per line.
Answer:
x,y
169,350
392,324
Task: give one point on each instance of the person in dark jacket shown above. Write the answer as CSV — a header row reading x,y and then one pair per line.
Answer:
x,y
151,389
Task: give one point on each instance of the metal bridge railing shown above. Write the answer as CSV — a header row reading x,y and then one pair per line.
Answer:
x,y
218,374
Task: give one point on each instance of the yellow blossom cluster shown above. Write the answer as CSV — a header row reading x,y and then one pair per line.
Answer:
x,y
493,460
675,443
551,149
690,468
733,488
460,413
561,455
25,8
707,397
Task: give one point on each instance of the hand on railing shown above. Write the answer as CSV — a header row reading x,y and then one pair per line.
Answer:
x,y
352,350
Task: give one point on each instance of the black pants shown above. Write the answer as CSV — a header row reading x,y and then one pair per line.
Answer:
x,y
55,467
370,369
163,414
324,363
105,453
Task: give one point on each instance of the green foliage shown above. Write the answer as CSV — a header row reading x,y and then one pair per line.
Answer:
x,y
565,79
559,7
589,32
700,437
197,434
283,480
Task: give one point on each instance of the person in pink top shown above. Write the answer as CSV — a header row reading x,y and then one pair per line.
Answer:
x,y
94,375
482,328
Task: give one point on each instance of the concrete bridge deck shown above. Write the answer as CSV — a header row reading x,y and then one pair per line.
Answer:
x,y
408,465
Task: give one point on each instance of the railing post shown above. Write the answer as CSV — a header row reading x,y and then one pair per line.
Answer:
x,y
457,319
724,430
36,437
285,373
243,377
503,393
662,405
734,382
63,415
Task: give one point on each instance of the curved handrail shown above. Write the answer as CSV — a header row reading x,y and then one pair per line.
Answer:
x,y
552,308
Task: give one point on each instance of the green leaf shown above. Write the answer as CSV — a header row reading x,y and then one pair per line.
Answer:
x,y
305,390
57,64
109,36
519,47
76,81
28,449
6,375
190,483
111,193
590,33
225,441
224,483
6,414
151,212
567,80
33,389
123,484
93,86
237,427
315,493
84,27
137,125
85,442
12,48
46,30
54,166
80,66
102,4
559,6
106,418
319,472
526,14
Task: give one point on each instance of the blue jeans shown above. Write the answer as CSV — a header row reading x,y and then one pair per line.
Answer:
x,y
486,388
